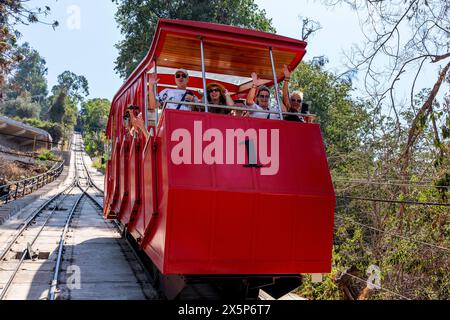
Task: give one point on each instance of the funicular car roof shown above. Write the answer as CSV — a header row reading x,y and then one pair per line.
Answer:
x,y
231,55
232,51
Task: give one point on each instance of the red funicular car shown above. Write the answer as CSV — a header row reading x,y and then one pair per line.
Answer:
x,y
187,189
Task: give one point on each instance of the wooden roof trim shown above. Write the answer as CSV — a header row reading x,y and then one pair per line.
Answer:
x,y
219,32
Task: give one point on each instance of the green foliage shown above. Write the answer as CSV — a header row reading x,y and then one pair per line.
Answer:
x,y
97,164
70,90
72,85
21,106
343,120
55,129
138,20
58,107
94,114
94,118
362,143
28,75
47,155
326,290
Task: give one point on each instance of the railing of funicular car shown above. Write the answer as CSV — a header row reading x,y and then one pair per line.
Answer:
x,y
309,118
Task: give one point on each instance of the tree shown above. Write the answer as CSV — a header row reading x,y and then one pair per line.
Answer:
x,y
70,90
21,106
392,184
29,75
94,114
58,107
341,118
402,37
63,109
138,20
75,86
94,118
12,14
55,129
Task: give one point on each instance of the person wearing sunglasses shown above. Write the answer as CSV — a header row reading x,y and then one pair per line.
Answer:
x,y
262,102
180,94
217,94
294,102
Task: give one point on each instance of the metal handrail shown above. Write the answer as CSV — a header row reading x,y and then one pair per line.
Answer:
x,y
18,189
201,105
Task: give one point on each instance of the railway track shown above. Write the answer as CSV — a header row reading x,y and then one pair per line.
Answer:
x,y
66,250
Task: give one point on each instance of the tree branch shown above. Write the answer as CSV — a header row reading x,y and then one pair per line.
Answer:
x,y
426,107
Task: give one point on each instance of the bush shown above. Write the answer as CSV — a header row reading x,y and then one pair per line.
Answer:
x,y
55,129
97,164
47,155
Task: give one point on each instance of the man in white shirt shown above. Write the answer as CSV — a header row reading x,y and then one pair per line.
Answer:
x,y
179,94
262,101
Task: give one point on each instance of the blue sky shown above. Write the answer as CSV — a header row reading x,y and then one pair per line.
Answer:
x,y
87,51
86,47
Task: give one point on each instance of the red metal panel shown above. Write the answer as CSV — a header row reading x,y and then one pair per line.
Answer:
x,y
107,183
120,180
133,182
154,227
114,180
276,224
124,181
137,229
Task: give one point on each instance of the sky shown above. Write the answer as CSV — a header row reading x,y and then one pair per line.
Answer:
x,y
84,41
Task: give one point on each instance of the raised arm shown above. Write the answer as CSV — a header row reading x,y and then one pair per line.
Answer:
x,y
152,101
283,107
229,100
252,93
286,98
137,123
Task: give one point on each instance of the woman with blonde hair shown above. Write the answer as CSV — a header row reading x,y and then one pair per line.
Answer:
x,y
294,102
217,94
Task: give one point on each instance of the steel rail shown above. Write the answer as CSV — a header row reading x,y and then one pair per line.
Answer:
x,y
26,251
54,284
55,279
31,219
89,177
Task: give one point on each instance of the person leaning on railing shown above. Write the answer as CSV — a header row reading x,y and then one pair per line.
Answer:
x,y
179,94
262,102
294,101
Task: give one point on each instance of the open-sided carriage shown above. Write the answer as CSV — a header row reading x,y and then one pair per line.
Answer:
x,y
234,203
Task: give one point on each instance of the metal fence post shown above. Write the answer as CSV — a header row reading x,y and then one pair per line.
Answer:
x,y
8,188
15,193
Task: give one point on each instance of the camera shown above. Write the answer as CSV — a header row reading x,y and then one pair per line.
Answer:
x,y
305,108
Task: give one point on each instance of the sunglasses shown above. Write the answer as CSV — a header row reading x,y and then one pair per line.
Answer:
x,y
214,90
180,75
296,100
